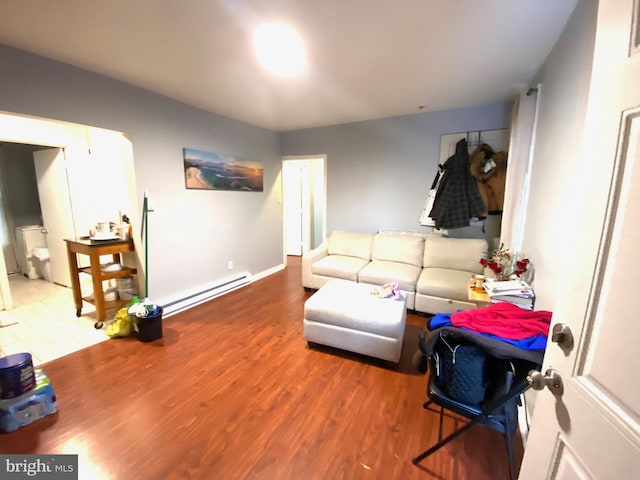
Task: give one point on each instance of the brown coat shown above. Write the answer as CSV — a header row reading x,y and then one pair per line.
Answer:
x,y
492,182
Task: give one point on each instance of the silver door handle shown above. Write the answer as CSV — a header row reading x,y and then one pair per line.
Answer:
x,y
562,335
44,230
551,379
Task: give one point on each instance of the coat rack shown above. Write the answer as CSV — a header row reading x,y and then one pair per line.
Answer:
x,y
474,142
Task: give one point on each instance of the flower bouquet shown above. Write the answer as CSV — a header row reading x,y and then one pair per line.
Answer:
x,y
503,264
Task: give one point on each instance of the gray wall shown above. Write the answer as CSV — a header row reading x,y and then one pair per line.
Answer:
x,y
564,79
548,230
379,171
192,233
20,187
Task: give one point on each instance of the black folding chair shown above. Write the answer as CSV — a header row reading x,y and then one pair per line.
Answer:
x,y
478,386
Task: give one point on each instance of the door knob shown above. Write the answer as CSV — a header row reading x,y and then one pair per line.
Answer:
x,y
562,335
551,379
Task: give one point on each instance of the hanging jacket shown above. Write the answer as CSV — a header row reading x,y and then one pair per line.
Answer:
x,y
457,200
489,168
425,219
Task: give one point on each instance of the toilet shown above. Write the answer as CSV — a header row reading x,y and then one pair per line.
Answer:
x,y
40,257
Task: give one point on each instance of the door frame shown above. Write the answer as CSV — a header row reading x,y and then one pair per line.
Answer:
x,y
76,142
316,188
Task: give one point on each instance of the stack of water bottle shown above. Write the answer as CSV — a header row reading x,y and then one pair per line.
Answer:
x,y
26,394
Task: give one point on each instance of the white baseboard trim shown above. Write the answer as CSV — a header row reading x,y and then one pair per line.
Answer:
x,y
266,273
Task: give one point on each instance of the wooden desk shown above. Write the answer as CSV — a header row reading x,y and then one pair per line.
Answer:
x,y
94,250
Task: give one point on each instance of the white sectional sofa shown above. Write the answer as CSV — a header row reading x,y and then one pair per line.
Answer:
x,y
432,270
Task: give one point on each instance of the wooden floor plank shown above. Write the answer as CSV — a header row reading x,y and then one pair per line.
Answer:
x,y
232,391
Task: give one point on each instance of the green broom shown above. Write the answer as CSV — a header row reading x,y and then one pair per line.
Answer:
x,y
144,233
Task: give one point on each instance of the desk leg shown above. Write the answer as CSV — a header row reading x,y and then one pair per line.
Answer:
x,y
98,294
75,280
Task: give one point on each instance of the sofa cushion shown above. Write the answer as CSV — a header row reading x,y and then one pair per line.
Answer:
x,y
444,283
339,266
379,272
398,248
455,253
350,244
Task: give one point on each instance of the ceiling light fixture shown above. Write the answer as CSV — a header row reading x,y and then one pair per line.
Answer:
x,y
280,49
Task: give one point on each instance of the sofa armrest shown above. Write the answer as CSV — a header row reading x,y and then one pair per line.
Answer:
x,y
308,259
316,254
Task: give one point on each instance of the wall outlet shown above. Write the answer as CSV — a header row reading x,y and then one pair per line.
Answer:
x,y
230,264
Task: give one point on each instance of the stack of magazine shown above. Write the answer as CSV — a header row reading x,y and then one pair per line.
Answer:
x,y
517,292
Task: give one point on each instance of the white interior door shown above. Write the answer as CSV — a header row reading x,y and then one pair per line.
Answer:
x,y
292,192
592,430
53,190
305,201
297,193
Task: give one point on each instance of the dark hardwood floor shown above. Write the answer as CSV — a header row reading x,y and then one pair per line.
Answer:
x,y
233,391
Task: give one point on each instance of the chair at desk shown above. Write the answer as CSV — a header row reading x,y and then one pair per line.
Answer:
x,y
465,378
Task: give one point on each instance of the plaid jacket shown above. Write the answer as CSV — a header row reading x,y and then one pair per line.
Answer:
x,y
458,199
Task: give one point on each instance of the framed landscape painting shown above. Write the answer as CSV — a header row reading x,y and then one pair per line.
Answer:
x,y
213,171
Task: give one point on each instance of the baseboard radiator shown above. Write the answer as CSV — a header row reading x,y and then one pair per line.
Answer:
x,y
191,299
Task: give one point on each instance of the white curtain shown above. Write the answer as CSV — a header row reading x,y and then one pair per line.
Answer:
x,y
516,195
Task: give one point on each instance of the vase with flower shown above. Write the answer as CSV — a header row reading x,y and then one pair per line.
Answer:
x,y
504,264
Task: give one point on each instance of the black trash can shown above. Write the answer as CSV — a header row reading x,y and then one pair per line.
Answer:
x,y
149,328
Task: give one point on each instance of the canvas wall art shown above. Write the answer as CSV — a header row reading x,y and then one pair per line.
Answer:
x,y
214,171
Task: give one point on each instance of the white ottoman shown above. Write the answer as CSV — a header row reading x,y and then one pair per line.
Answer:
x,y
345,315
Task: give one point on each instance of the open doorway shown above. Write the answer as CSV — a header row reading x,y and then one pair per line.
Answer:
x,y
304,192
42,320
36,213
20,205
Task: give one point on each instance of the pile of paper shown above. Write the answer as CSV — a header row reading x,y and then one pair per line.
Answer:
x,y
517,292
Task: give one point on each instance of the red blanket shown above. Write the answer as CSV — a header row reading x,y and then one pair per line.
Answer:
x,y
504,320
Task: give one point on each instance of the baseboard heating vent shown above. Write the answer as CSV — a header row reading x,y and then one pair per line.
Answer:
x,y
192,299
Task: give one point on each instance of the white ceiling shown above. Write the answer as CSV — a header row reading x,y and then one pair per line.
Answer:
x,y
367,58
